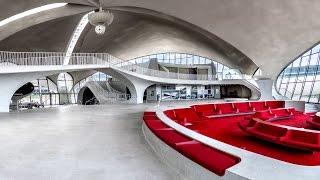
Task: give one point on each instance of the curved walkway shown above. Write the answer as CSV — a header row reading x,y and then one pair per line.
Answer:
x,y
78,142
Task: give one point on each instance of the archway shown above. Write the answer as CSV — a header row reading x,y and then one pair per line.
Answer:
x,y
88,97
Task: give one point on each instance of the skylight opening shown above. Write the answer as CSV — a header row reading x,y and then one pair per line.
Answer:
x,y
31,12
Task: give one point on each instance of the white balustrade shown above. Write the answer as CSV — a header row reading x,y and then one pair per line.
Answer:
x,y
103,59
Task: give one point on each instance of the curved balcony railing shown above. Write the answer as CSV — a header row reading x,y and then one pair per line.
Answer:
x,y
51,59
128,66
105,59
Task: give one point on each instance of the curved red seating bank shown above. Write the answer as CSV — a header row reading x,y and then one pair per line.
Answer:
x,y
208,157
237,108
231,123
286,136
275,114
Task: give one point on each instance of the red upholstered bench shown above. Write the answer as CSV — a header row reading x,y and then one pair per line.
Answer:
x,y
314,122
258,105
286,136
213,159
243,107
275,104
282,113
269,132
170,114
171,136
301,139
186,116
246,123
204,109
264,115
226,108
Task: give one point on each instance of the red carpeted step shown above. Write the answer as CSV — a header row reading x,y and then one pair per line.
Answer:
x,y
171,136
210,158
155,124
150,118
149,113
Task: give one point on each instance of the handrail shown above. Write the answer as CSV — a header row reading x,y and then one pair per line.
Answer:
x,y
105,95
90,100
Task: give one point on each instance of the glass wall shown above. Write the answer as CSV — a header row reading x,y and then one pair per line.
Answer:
x,y
65,85
47,93
300,80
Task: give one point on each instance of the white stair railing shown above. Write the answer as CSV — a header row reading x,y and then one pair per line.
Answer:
x,y
103,95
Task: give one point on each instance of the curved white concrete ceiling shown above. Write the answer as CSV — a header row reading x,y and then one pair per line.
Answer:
x,y
131,35
43,37
271,33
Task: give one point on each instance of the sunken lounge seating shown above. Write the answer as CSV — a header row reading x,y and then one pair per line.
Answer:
x,y
267,131
314,122
275,114
204,110
305,140
243,107
296,138
184,116
235,109
275,104
210,158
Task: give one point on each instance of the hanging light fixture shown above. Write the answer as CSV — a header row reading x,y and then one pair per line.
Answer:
x,y
100,29
100,20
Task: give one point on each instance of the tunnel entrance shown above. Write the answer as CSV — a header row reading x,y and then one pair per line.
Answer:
x,y
88,97
22,92
235,91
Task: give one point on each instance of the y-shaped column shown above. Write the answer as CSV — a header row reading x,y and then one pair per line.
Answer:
x,y
265,86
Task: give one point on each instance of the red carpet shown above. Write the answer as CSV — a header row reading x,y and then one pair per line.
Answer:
x,y
227,130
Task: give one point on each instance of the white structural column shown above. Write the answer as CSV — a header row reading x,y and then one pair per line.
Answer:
x,y
136,85
140,85
265,86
